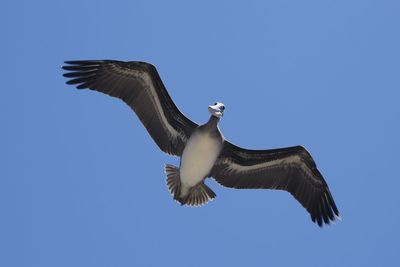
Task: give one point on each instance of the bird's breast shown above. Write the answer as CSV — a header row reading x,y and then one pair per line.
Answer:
x,y
199,156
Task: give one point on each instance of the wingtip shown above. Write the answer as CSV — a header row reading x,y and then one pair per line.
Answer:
x,y
321,223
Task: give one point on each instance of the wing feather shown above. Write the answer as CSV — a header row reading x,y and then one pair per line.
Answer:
x,y
291,169
138,85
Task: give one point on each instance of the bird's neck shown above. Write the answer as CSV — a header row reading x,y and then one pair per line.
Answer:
x,y
213,122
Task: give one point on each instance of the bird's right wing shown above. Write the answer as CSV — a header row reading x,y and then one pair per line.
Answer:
x,y
291,169
138,85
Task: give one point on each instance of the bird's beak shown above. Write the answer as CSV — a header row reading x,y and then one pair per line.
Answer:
x,y
215,111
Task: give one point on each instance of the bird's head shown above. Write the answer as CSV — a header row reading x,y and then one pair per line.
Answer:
x,y
217,110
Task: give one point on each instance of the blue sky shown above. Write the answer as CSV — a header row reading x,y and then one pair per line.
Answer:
x,y
82,184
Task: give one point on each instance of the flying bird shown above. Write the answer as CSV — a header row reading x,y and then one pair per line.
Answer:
x,y
203,150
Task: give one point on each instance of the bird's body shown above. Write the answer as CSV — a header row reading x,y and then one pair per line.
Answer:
x,y
199,155
203,150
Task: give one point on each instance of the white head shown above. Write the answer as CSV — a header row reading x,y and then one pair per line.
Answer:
x,y
217,110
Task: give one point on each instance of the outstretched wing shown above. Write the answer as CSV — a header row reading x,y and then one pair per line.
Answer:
x,y
291,169
138,85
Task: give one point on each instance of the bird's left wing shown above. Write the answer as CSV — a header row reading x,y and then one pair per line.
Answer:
x,y
138,85
291,169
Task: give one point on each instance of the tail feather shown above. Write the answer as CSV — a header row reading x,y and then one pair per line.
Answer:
x,y
198,195
173,180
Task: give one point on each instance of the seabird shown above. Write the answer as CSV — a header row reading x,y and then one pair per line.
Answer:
x,y
203,150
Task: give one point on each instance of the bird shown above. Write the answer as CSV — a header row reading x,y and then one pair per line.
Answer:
x,y
203,150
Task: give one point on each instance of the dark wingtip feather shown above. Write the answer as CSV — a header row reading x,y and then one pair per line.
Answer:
x,y
77,80
80,67
333,204
319,215
325,211
74,74
83,86
81,72
328,207
312,218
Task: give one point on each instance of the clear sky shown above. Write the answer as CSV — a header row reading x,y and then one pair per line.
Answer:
x,y
82,183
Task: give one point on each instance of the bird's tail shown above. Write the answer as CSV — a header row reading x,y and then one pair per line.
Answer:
x,y
173,180
198,195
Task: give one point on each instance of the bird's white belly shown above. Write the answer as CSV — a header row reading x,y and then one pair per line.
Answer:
x,y
197,160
